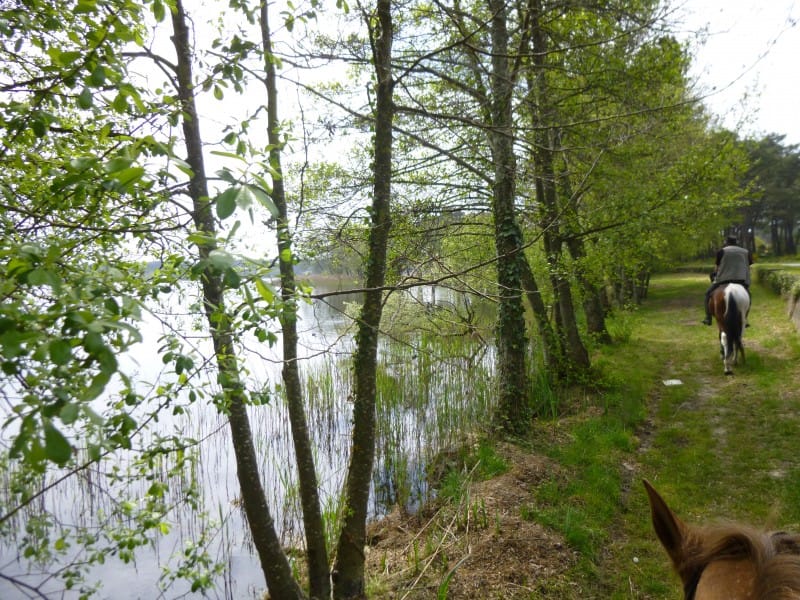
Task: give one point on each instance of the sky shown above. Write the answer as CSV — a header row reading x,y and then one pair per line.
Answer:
x,y
751,54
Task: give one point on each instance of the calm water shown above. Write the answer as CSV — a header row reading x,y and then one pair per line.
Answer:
x,y
424,410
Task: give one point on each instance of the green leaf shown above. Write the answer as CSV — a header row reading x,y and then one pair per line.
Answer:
x,y
39,277
98,76
120,103
68,59
56,446
97,386
128,176
226,202
93,342
120,163
157,490
85,99
107,360
93,417
233,230
158,10
231,278
82,163
86,6
95,452
244,199
264,199
220,259
225,174
264,290
69,413
183,166
39,126
60,352
201,238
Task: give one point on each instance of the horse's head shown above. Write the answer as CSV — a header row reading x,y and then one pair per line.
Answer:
x,y
731,562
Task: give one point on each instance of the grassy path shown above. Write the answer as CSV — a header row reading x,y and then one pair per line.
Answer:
x,y
567,517
716,447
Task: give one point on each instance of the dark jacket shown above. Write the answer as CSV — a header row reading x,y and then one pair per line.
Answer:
x,y
733,264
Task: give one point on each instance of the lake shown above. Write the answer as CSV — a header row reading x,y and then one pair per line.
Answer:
x,y
433,391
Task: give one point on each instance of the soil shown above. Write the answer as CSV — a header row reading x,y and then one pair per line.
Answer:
x,y
484,549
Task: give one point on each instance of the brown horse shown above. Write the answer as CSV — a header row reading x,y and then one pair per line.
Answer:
x,y
730,303
730,562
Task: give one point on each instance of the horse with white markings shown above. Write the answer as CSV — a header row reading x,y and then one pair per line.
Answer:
x,y
730,304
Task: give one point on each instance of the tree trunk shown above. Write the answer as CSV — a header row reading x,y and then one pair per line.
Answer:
x,y
788,236
313,525
592,302
274,563
775,237
348,575
550,344
513,405
547,198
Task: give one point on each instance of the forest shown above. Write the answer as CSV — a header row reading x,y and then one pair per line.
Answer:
x,y
473,191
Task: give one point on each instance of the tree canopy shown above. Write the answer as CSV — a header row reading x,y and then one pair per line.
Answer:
x,y
183,165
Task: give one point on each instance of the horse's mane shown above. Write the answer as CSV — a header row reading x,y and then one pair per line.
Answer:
x,y
775,557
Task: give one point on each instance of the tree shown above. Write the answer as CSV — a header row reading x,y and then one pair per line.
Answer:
x,y
773,181
507,153
274,563
76,199
511,338
317,554
349,568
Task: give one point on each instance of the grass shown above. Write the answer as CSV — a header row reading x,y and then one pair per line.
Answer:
x,y
474,464
716,447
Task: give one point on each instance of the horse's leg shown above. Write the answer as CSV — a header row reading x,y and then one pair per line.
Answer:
x,y
726,356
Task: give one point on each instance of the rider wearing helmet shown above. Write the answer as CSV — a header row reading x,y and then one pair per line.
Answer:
x,y
732,266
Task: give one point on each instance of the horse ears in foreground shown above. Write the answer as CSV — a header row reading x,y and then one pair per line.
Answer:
x,y
727,562
671,531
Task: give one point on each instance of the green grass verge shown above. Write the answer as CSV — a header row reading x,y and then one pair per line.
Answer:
x,y
716,447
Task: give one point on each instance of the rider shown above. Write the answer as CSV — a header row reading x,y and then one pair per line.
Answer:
x,y
732,266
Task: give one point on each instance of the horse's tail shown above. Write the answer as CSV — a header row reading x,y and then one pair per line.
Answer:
x,y
734,326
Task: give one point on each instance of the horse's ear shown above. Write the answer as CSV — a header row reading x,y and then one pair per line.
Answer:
x,y
670,530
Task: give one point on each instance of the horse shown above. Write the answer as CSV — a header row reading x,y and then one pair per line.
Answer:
x,y
727,562
730,303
